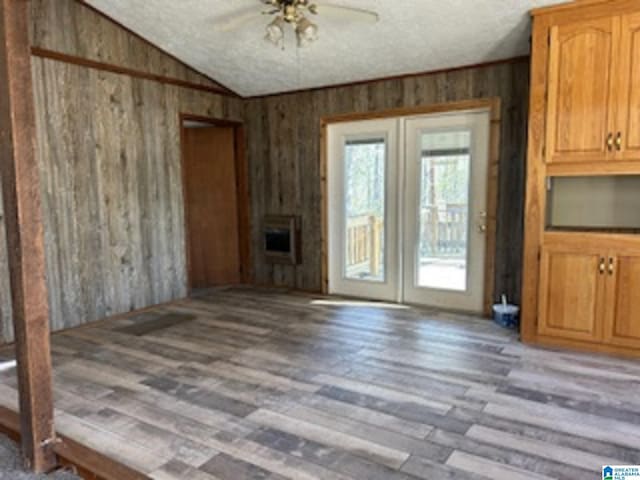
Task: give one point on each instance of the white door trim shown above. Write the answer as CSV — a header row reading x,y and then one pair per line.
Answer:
x,y
489,107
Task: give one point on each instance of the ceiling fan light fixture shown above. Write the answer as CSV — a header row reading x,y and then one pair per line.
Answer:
x,y
275,31
306,32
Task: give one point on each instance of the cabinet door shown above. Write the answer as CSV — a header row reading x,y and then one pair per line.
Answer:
x,y
623,301
580,121
628,95
571,291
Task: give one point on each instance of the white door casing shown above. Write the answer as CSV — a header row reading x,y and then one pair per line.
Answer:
x,y
404,138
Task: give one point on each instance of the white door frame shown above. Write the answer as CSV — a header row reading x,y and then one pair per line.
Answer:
x,y
492,104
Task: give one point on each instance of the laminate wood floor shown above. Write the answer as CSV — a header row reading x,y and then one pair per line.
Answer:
x,y
253,384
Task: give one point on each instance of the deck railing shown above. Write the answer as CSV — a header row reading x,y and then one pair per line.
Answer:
x,y
443,234
444,230
364,243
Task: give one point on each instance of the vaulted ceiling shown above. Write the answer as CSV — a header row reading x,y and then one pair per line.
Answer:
x,y
412,36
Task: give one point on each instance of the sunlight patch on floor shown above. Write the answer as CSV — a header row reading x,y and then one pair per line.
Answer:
x,y
358,303
6,366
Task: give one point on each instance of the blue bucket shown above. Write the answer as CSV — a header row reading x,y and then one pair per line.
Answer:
x,y
506,315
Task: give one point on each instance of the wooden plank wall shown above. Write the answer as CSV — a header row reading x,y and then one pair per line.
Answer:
x,y
284,152
109,152
66,27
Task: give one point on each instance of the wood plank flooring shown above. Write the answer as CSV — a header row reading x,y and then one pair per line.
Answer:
x,y
255,384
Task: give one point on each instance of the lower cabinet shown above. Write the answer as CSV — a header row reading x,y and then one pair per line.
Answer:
x,y
571,293
622,325
590,295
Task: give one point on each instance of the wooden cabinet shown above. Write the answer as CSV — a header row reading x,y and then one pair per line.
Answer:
x,y
571,293
593,98
628,94
590,295
622,301
580,119
581,278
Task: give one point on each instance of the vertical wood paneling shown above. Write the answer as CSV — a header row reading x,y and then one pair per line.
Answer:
x,y
65,26
284,154
113,201
109,154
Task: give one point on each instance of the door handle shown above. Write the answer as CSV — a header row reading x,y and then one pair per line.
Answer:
x,y
612,266
482,228
610,142
603,266
619,141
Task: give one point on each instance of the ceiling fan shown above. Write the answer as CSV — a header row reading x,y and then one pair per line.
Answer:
x,y
294,13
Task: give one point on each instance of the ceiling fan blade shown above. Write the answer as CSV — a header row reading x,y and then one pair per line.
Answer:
x,y
358,14
238,20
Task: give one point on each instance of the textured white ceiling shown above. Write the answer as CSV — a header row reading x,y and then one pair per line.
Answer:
x,y
412,36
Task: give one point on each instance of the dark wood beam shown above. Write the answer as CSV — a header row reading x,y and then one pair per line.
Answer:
x,y
109,18
108,67
25,236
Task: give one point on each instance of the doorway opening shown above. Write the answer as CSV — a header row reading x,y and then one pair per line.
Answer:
x,y
409,211
216,202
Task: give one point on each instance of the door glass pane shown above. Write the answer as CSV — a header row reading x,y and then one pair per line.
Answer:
x,y
445,161
365,173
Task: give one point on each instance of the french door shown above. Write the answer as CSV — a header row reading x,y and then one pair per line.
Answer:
x,y
363,205
407,209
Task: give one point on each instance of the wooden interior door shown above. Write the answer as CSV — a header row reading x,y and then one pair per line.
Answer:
x,y
623,301
629,88
580,119
571,293
211,202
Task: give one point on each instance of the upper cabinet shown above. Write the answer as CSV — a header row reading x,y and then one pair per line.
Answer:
x,y
580,91
628,95
593,97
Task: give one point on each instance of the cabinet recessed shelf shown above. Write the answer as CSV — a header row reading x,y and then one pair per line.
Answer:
x,y
609,204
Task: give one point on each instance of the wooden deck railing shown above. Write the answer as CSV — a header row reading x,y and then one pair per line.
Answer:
x,y
364,243
443,234
444,230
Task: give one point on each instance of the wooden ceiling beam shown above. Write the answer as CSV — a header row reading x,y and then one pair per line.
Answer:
x,y
25,236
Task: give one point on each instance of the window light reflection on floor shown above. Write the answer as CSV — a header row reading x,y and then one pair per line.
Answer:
x,y
357,303
8,365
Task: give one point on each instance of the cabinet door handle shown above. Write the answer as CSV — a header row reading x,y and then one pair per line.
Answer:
x,y
610,142
619,141
612,266
603,266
